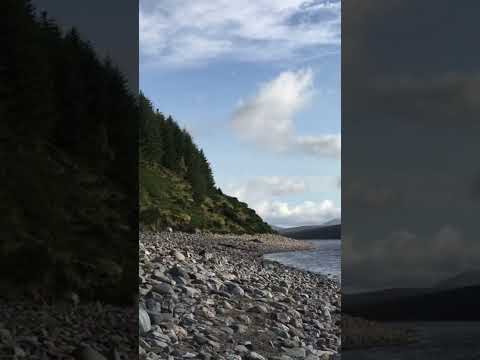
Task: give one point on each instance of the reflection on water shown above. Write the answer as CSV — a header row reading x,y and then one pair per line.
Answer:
x,y
324,259
438,341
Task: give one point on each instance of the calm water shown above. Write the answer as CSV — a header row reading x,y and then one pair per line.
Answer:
x,y
439,341
324,259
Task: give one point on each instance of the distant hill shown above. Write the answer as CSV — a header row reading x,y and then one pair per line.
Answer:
x,y
335,221
176,183
313,232
450,299
459,304
468,278
350,301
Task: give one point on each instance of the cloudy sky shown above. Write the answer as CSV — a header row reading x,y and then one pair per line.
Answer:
x,y
411,175
257,83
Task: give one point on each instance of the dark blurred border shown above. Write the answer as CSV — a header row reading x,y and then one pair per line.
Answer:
x,y
69,198
410,110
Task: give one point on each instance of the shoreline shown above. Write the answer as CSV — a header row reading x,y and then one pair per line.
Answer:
x,y
330,276
362,334
35,331
212,296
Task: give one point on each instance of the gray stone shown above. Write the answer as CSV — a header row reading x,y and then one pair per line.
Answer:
x,y
158,317
241,349
189,355
231,356
87,353
163,288
235,289
144,321
255,356
245,318
178,255
260,309
178,271
190,291
283,318
296,353
240,329
201,339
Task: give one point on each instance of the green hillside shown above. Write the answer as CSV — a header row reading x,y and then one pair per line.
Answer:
x,y
176,187
167,200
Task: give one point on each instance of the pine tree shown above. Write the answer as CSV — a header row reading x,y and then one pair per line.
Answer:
x,y
196,178
170,149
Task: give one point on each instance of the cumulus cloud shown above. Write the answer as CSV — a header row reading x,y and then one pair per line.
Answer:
x,y
306,213
267,119
186,33
265,194
322,145
267,186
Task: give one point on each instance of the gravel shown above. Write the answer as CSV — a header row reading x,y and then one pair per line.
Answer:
x,y
82,331
215,297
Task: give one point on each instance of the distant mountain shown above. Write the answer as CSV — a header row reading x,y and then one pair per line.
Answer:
x,y
334,221
450,299
459,304
312,232
467,278
351,301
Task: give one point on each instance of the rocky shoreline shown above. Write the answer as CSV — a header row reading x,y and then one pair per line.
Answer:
x,y
359,333
69,331
205,296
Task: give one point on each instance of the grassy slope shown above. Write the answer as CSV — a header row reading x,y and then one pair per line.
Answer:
x,y
167,200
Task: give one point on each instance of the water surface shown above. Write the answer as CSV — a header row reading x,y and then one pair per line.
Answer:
x,y
437,340
324,258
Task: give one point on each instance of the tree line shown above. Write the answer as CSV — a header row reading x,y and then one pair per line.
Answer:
x,y
55,89
163,142
69,155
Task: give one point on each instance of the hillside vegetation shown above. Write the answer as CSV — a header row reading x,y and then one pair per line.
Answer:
x,y
68,132
317,232
177,188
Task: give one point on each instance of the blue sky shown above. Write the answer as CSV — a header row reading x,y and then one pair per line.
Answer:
x,y
258,86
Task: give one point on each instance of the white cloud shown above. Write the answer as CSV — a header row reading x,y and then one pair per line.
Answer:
x,y
267,186
264,194
306,213
267,119
189,33
321,145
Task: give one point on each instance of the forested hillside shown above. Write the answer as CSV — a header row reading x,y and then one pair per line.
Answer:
x,y
68,140
177,188
69,136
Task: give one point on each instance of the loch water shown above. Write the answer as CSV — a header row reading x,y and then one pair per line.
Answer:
x,y
324,258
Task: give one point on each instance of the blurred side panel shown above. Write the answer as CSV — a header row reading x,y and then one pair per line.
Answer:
x,y
410,179
69,179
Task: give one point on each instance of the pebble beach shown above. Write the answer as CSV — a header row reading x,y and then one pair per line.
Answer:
x,y
205,296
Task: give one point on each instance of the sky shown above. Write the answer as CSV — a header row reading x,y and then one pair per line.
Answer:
x,y
116,38
257,83
410,130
